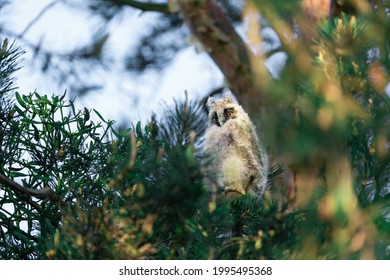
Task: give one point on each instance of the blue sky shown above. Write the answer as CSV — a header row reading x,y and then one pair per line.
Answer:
x,y
124,96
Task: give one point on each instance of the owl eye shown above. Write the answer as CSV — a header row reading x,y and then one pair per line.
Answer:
x,y
228,113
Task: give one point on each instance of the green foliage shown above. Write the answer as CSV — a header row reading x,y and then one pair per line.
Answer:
x,y
335,110
52,147
8,65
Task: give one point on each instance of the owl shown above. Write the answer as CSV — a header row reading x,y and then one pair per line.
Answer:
x,y
239,164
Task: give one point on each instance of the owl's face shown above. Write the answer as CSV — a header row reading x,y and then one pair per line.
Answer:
x,y
222,110
222,116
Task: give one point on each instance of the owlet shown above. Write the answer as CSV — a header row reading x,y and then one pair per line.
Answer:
x,y
239,164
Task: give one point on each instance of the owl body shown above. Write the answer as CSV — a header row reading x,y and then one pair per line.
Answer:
x,y
239,163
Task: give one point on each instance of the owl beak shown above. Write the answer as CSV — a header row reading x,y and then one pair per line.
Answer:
x,y
221,120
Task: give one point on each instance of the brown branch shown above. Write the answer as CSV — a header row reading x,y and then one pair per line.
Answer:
x,y
44,193
227,49
145,6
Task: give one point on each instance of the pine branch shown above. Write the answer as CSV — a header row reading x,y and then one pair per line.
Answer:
x,y
46,192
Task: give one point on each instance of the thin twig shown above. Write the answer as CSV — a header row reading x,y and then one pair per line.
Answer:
x,y
43,11
145,6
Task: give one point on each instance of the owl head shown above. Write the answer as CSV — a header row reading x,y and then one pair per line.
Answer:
x,y
222,109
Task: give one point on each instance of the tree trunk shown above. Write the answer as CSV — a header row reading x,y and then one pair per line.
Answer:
x,y
230,53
